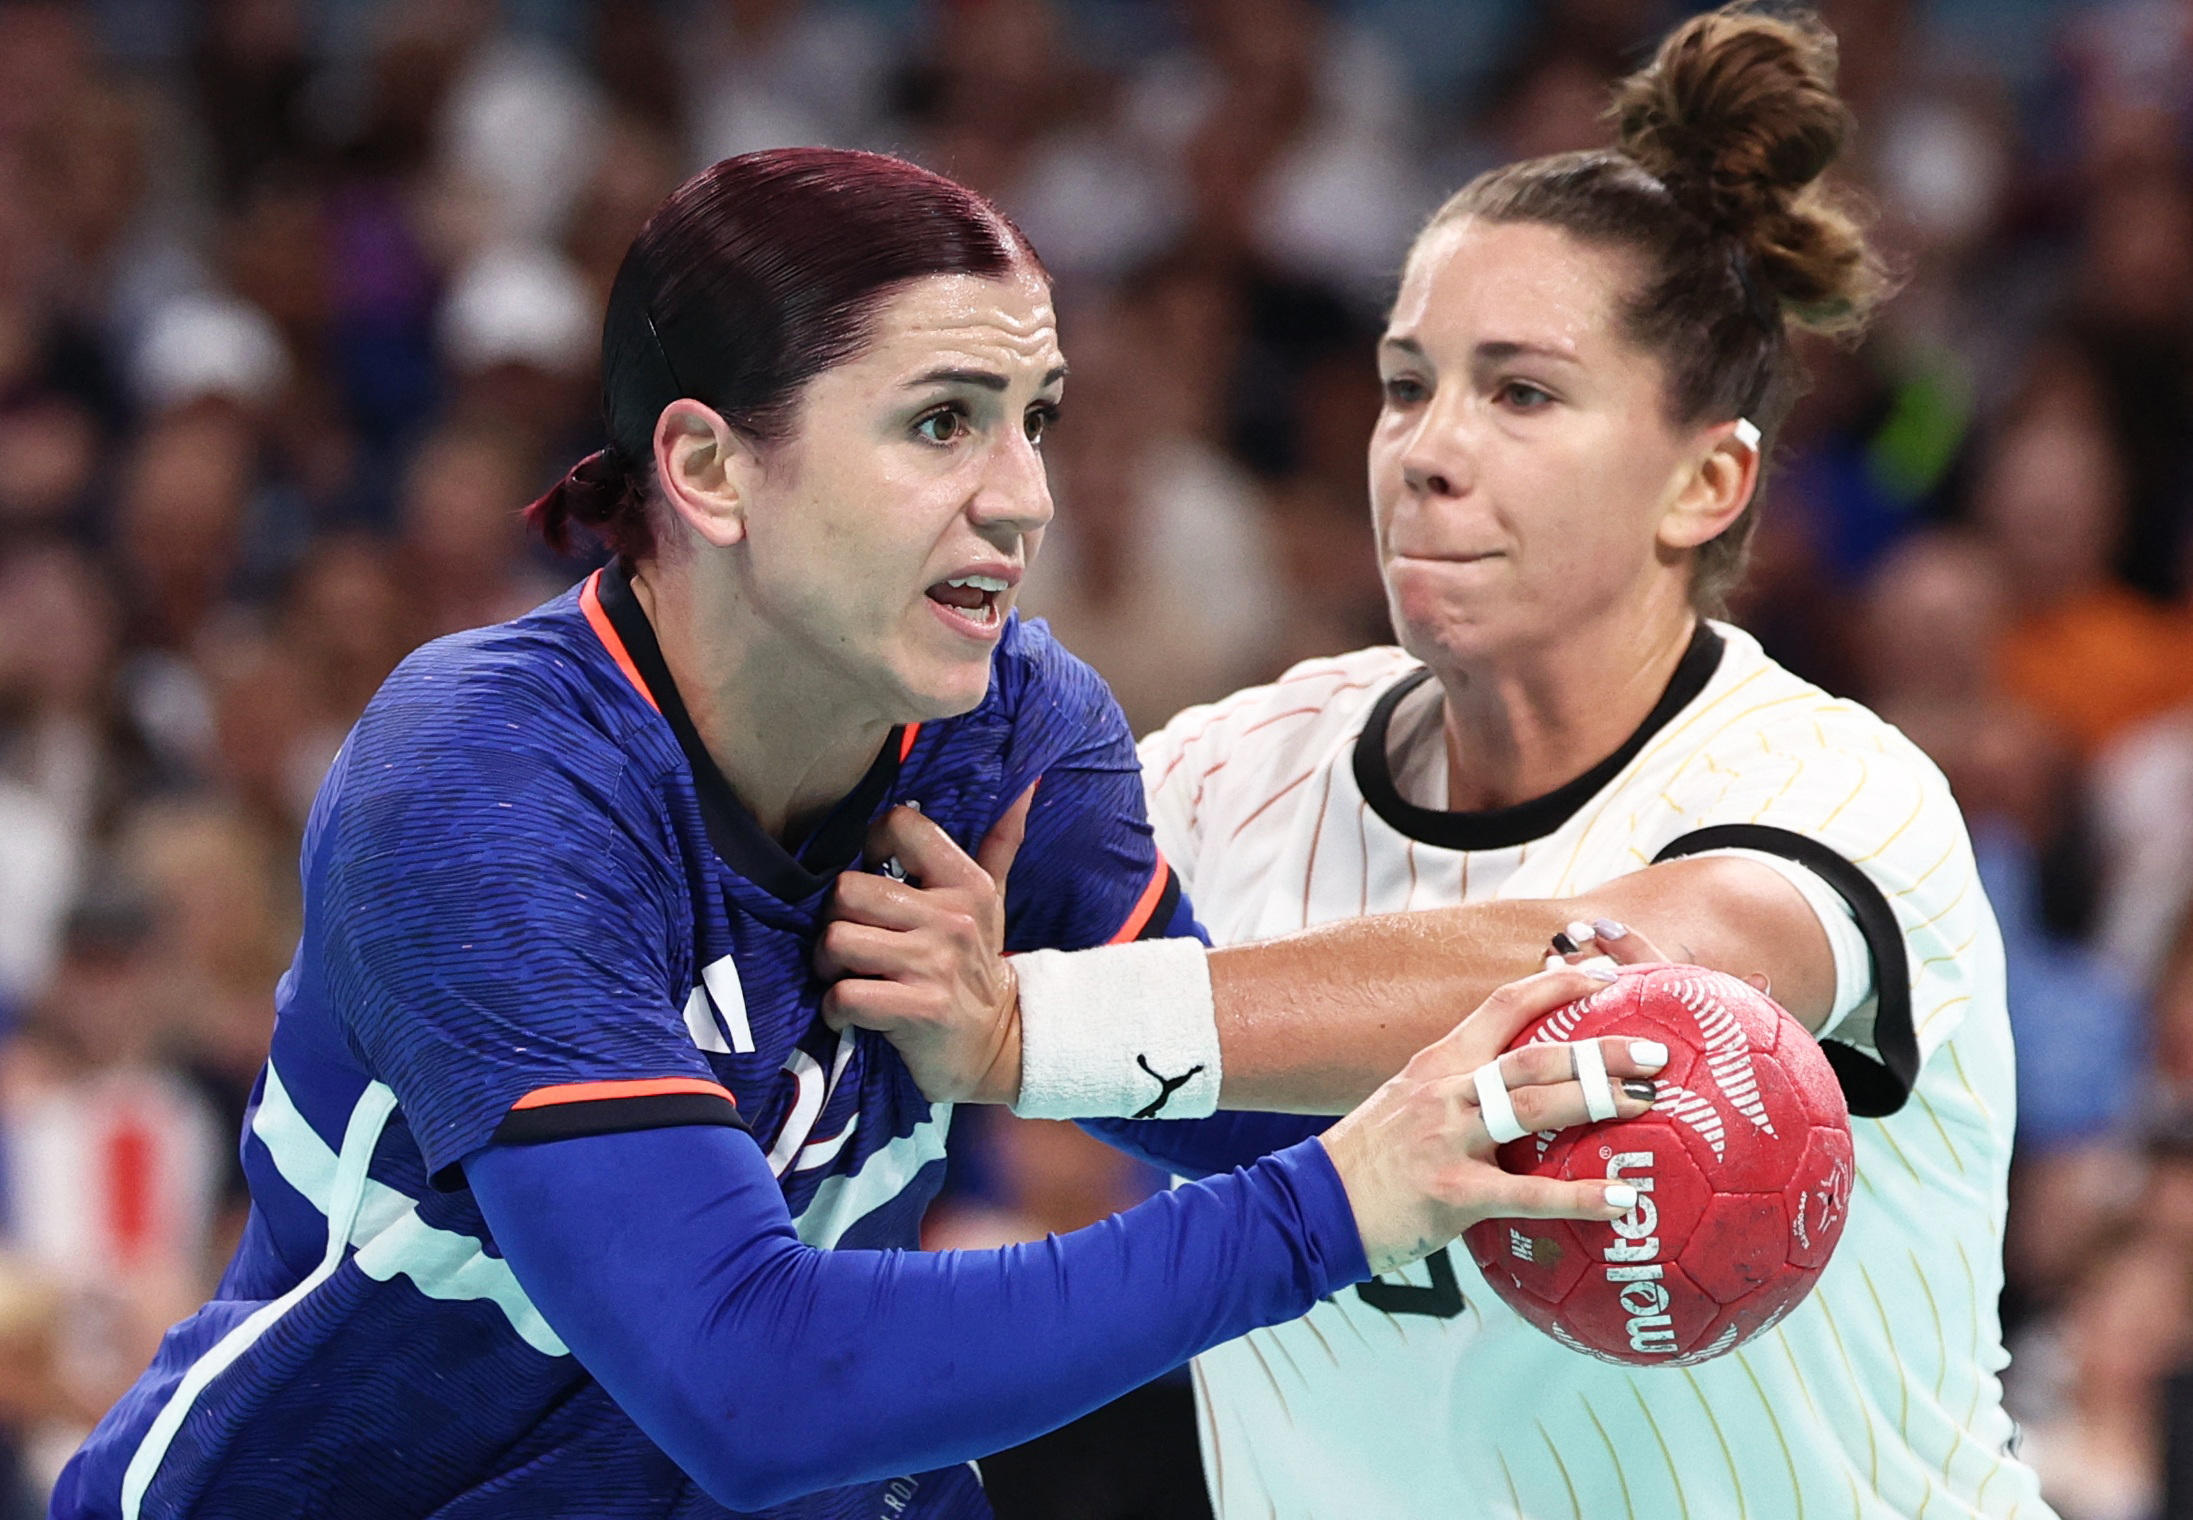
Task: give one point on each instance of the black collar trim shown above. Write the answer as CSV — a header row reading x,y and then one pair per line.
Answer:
x,y
748,848
1506,827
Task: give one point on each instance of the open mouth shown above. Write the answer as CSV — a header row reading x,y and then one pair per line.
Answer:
x,y
974,603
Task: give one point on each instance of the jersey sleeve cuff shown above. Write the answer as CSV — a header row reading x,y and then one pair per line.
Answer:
x,y
1846,942
1334,1239
604,1108
1875,1083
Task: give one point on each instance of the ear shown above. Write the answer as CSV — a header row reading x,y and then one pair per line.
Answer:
x,y
1717,490
706,470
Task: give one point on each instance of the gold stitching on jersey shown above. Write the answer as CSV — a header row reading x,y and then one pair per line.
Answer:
x,y
1986,1112
1778,796
1947,1144
1865,773
1613,1460
1880,1127
1727,1455
1918,803
1920,880
1945,909
1857,1507
1780,1439
1561,1467
1682,1504
1939,1009
1865,1409
1941,1337
1515,1500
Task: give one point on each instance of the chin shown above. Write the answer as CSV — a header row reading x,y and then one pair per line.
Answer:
x,y
945,692
1436,631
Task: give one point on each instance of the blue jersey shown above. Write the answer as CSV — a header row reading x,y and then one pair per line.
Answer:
x,y
534,909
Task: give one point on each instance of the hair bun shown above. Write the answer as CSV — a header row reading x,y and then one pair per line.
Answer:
x,y
1738,116
590,494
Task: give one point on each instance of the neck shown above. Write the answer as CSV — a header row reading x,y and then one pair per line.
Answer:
x,y
1524,723
785,736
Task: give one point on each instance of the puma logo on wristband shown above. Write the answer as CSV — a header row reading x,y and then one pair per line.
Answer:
x,y
1167,1086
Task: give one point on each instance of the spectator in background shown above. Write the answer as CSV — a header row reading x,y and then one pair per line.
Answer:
x,y
1292,130
2086,652
771,73
2135,328
221,896
519,337
2097,1443
1000,103
2143,791
65,756
465,553
295,298
1156,569
112,1165
1932,624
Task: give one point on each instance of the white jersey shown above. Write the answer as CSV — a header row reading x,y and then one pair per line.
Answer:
x,y
1423,1394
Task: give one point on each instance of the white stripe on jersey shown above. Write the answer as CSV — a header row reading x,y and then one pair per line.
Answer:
x,y
842,1200
391,1238
346,1197
1878,1396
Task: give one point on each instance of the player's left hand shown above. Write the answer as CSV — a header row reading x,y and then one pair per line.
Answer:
x,y
924,965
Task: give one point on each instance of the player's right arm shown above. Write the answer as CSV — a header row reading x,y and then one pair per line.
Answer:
x,y
500,913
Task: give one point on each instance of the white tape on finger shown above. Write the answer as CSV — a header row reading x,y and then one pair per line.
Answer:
x,y
1492,1101
1591,1075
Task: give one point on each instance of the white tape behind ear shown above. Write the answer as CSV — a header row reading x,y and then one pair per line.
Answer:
x,y
1492,1101
1747,433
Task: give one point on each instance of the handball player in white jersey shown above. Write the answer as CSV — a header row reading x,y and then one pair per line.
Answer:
x,y
1584,369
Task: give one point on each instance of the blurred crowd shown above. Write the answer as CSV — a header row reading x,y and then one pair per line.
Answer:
x,y
299,304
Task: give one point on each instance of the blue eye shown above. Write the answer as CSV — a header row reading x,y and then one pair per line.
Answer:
x,y
1404,390
944,425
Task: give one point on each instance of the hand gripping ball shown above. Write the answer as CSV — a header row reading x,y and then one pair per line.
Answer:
x,y
1743,1173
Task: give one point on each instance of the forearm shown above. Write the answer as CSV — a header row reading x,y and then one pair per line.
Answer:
x,y
768,1369
1313,1022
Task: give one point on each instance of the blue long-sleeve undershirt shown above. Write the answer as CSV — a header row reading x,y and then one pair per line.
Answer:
x,y
768,1369
1206,1147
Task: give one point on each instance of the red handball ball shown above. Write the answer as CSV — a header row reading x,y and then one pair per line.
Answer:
x,y
1743,1170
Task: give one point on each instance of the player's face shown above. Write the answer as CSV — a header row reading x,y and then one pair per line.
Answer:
x,y
891,531
1523,472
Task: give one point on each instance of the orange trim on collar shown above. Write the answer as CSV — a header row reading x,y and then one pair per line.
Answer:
x,y
590,602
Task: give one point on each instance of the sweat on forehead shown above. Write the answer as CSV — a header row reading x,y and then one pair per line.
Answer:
x,y
987,321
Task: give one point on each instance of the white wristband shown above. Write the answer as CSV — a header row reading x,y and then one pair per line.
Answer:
x,y
1118,1032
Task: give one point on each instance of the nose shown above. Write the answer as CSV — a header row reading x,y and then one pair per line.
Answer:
x,y
1014,496
1435,454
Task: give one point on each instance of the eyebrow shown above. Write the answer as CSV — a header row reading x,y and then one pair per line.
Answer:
x,y
1495,351
986,379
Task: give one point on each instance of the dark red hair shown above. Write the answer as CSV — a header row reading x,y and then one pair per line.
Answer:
x,y
755,276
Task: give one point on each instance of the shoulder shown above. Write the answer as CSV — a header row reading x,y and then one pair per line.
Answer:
x,y
1306,711
1033,675
521,715
1753,705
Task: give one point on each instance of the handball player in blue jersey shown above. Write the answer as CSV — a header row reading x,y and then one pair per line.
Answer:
x,y
567,1200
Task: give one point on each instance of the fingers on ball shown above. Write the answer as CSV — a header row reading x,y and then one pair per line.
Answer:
x,y
1557,1105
